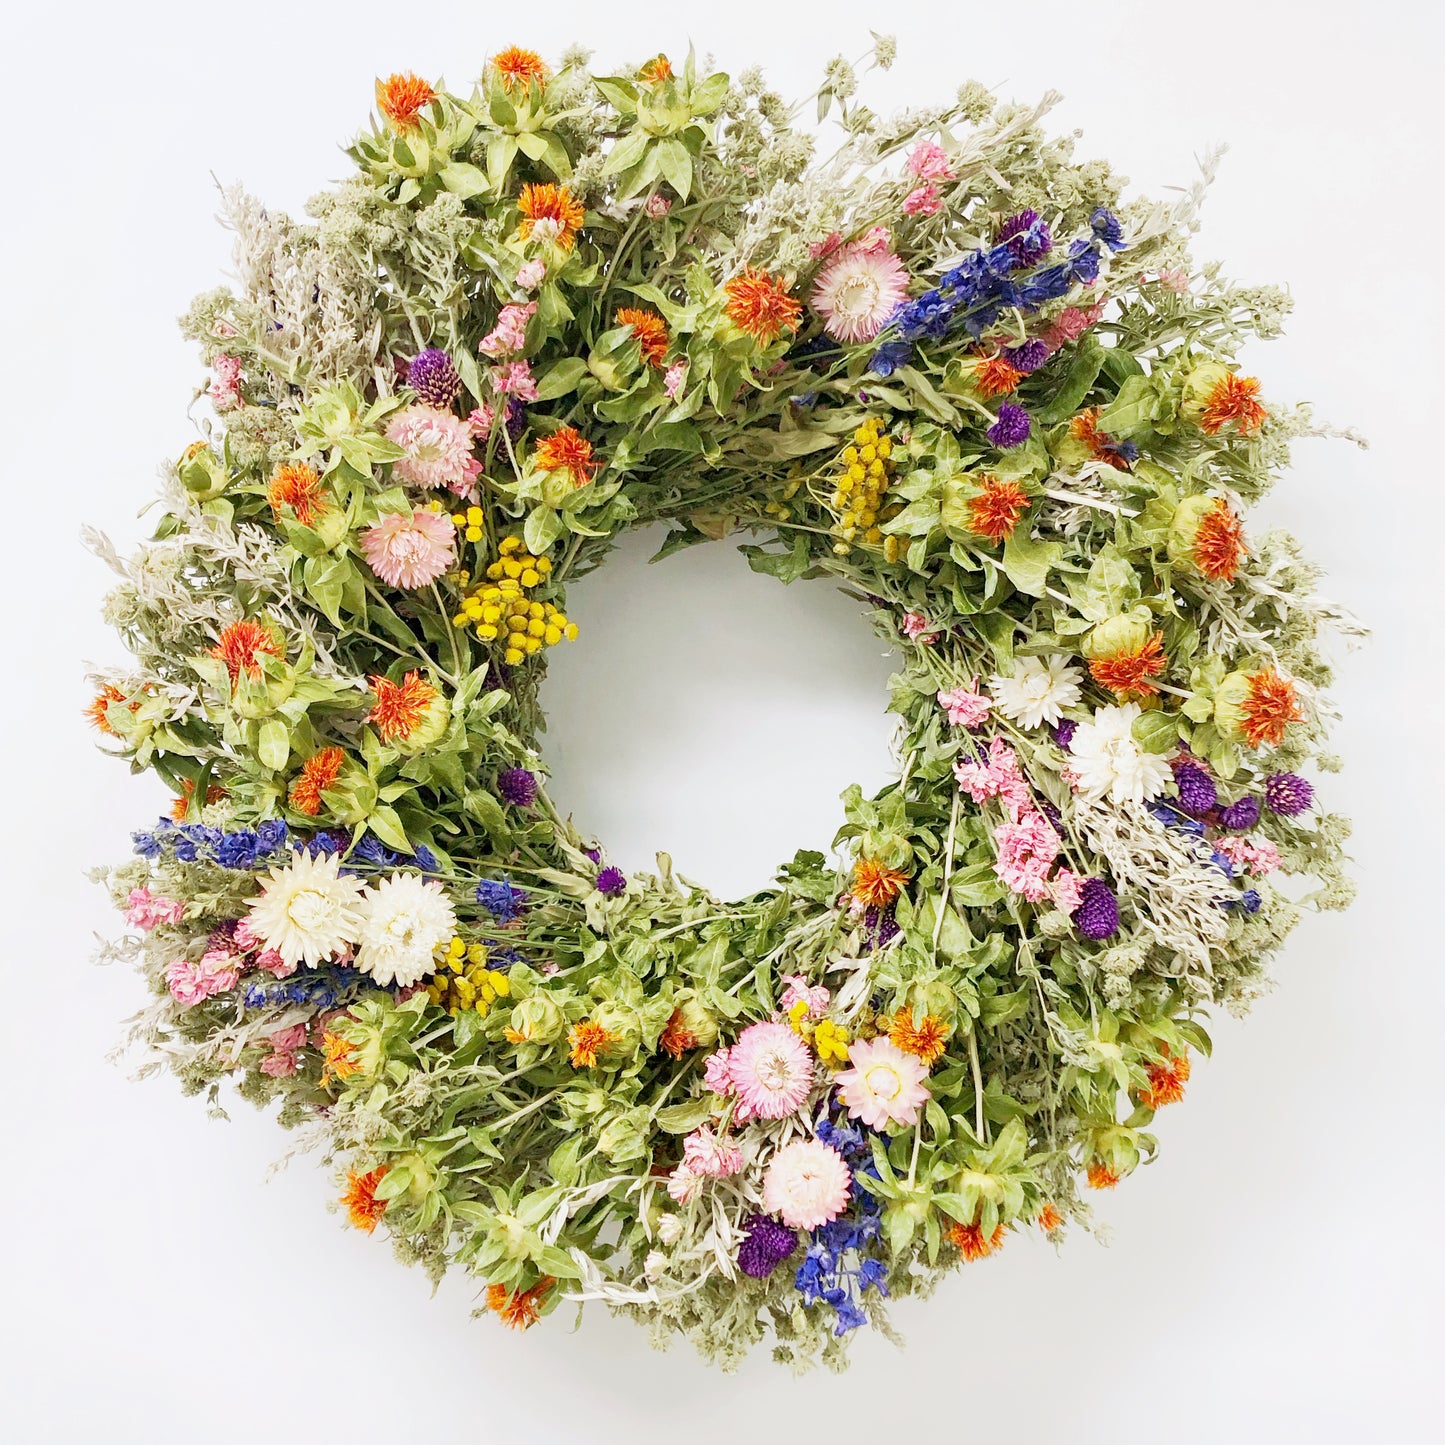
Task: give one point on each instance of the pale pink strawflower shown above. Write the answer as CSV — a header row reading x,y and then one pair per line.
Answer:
x,y
225,388
814,999
771,1069
410,549
807,1184
515,379
714,1155
657,205
927,200
859,289
882,1084
530,274
965,708
147,911
438,447
929,162
510,333
916,626
673,379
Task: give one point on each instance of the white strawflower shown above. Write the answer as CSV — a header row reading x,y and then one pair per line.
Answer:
x,y
404,920
307,911
1109,763
1039,690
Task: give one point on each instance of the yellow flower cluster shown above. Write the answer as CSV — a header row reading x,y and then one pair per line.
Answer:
x,y
501,609
829,1040
463,980
858,495
516,564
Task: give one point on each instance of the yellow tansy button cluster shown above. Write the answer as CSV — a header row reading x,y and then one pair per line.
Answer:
x,y
463,981
858,495
500,610
472,523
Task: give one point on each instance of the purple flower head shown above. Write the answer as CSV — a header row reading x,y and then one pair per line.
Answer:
x,y
1028,357
1287,794
611,881
500,899
595,854
1097,915
1064,732
1105,225
1012,427
889,357
1197,793
1028,238
1241,815
516,418
517,787
433,377
767,1245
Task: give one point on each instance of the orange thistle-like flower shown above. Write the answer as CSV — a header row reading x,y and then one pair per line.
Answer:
x,y
925,1040
658,69
518,1309
102,700
1049,1218
400,99
182,805
567,450
399,706
1219,542
551,212
996,377
1269,707
759,305
1166,1081
318,773
363,1208
519,67
1127,673
969,1241
1233,399
995,512
876,884
337,1057
676,1039
586,1039
649,329
297,485
1101,1176
241,644
1085,428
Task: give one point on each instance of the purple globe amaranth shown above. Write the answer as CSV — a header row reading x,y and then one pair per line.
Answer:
x,y
1241,815
1028,357
766,1246
1028,239
1287,794
433,377
1012,427
1064,731
517,787
1097,915
1197,793
611,881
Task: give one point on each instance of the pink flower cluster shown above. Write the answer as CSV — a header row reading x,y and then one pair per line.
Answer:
x,y
768,1070
1071,323
509,335
146,910
193,980
705,1155
1026,852
673,379
515,379
925,200
929,162
965,708
530,274
798,991
1257,857
280,1063
225,388
918,627
657,205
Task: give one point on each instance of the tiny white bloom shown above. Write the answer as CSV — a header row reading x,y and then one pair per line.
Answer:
x,y
1039,690
306,911
404,920
1109,763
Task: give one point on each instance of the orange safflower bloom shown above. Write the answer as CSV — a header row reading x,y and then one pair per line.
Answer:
x,y
318,773
518,1309
649,329
567,450
676,1039
1049,1218
876,884
182,805
241,644
925,1040
1269,707
337,1057
96,710
996,376
1233,399
1219,543
552,212
399,706
1127,674
658,69
586,1039
297,485
400,99
1166,1083
995,512
759,305
1101,1176
1085,428
363,1208
969,1241
519,67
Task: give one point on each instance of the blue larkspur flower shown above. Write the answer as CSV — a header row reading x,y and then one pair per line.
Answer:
x,y
500,899
889,357
1105,225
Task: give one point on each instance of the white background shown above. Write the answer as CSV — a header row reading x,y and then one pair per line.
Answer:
x,y
1275,1276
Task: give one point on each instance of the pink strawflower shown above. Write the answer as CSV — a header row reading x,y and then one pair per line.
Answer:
x,y
925,201
797,991
860,288
916,625
673,379
807,1184
772,1070
438,447
882,1084
410,549
514,379
713,1155
1071,323
717,1073
684,1184
510,333
1026,852
147,911
965,708
225,388
1066,888
929,162
530,274
657,205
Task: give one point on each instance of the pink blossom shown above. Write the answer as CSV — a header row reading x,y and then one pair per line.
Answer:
x,y
714,1155
514,379
830,243
510,333
288,1040
797,991
279,1065
807,1184
684,1184
927,200
929,162
245,935
860,288
410,550
223,329
1071,323
146,910
999,776
1026,851
437,446
717,1074
1257,857
1175,279
916,625
772,1070
271,962
190,982
657,205
965,708
530,274
1066,888
225,389
480,420
882,1084
672,381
